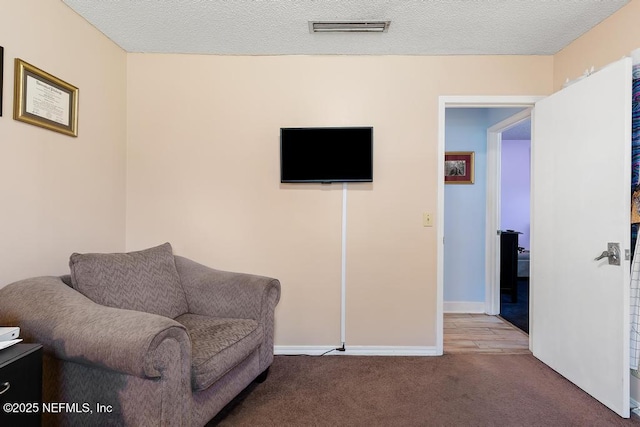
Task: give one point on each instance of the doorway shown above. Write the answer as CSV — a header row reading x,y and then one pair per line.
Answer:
x,y
515,223
491,285
467,208
579,305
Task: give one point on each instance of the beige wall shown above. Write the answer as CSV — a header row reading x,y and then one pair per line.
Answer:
x,y
60,194
609,41
203,173
203,163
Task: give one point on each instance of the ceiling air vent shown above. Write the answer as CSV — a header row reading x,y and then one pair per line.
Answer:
x,y
348,27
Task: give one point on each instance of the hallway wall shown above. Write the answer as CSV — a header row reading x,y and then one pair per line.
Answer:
x,y
465,209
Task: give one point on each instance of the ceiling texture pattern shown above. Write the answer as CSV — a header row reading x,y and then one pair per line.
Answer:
x,y
281,27
521,131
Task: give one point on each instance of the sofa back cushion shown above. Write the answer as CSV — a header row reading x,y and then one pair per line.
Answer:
x,y
145,280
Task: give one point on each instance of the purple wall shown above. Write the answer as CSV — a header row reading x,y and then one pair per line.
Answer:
x,y
516,184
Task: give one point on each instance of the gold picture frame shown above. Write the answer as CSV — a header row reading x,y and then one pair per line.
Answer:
x,y
459,167
44,100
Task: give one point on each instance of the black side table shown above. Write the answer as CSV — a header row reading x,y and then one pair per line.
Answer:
x,y
21,385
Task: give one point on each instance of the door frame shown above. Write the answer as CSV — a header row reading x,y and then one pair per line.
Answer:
x,y
460,101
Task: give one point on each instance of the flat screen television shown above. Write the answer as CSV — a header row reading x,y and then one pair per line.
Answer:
x,y
328,154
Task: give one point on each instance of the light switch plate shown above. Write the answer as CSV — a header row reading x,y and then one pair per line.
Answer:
x,y
427,219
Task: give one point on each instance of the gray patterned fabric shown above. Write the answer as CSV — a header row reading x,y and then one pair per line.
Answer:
x,y
133,401
146,366
207,403
72,327
145,280
212,292
217,344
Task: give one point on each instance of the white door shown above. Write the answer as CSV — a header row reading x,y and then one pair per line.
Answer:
x,y
581,177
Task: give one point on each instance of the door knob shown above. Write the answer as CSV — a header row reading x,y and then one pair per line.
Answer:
x,y
612,253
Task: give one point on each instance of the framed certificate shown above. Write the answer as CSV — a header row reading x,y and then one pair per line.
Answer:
x,y
44,100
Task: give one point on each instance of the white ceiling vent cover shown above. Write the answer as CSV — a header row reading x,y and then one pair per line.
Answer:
x,y
349,26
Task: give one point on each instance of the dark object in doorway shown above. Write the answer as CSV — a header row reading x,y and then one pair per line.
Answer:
x,y
517,313
509,263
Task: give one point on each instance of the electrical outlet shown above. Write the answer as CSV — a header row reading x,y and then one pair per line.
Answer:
x,y
427,219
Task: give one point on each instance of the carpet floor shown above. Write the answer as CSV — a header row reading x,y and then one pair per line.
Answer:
x,y
451,390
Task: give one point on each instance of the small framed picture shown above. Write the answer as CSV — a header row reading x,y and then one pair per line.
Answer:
x,y
458,167
44,100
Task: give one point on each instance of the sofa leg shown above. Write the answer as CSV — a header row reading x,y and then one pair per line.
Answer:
x,y
262,377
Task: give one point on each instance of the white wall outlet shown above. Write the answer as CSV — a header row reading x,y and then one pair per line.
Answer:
x,y
427,219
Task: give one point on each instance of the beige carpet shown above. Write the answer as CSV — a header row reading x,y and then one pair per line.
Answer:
x,y
452,390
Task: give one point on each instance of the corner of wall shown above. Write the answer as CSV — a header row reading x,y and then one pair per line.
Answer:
x,y
608,41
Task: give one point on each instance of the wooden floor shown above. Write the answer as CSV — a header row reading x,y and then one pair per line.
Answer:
x,y
481,333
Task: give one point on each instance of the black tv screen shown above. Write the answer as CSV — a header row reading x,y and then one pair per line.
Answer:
x,y
326,154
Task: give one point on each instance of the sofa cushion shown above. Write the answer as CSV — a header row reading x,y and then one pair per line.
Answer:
x,y
218,345
145,280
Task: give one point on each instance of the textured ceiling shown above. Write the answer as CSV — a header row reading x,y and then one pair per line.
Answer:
x,y
521,131
280,27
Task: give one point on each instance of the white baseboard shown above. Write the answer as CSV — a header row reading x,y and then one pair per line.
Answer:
x,y
635,406
307,350
357,350
463,307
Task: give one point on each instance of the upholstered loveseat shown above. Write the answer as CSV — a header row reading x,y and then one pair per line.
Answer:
x,y
154,339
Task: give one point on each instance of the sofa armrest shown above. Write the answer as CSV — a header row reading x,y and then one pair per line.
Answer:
x,y
219,293
72,327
